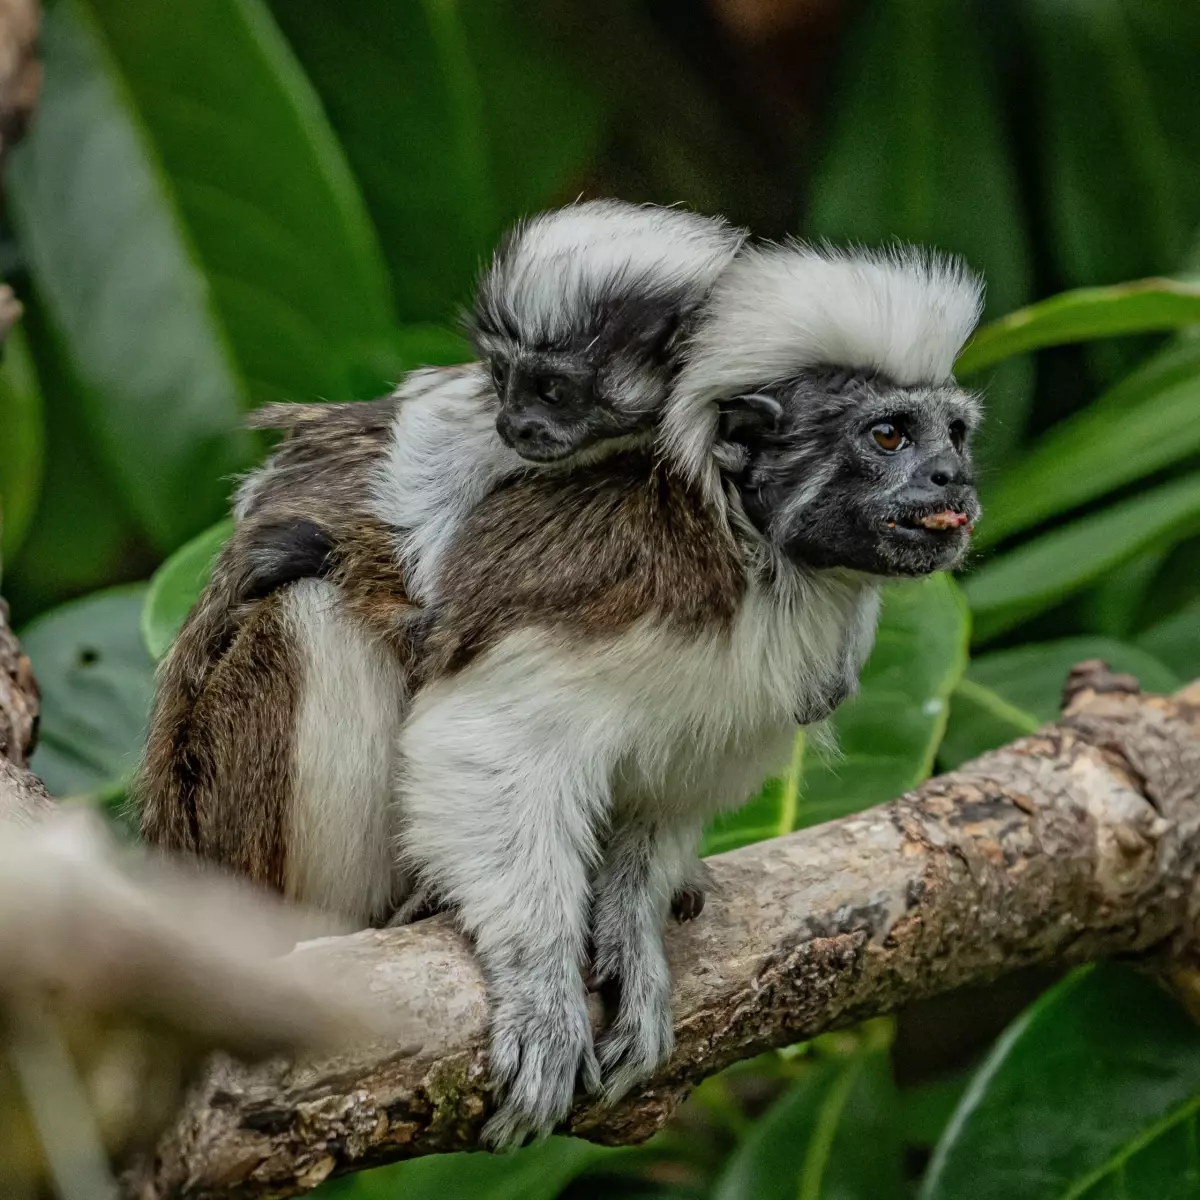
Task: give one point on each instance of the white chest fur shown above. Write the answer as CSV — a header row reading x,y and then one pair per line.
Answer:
x,y
685,723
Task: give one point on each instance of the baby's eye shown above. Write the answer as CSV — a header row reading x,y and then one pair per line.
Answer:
x,y
958,434
551,389
889,436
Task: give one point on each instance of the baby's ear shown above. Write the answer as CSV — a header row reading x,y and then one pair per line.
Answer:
x,y
744,417
656,337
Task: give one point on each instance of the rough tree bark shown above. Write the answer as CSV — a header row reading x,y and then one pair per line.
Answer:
x,y
20,79
22,795
1076,843
20,82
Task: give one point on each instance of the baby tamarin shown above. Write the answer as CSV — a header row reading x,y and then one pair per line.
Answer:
x,y
615,654
271,742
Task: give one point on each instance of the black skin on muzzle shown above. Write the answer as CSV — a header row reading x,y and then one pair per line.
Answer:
x,y
846,470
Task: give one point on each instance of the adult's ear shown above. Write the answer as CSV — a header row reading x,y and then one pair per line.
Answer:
x,y
744,417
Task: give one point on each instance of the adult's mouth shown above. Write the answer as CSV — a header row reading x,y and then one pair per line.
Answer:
x,y
942,522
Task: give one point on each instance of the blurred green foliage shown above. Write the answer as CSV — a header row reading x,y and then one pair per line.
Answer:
x,y
241,201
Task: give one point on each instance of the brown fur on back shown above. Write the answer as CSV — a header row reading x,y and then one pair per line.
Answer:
x,y
216,771
588,553
321,472
324,459
215,776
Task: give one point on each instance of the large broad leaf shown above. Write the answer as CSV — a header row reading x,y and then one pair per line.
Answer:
x,y
1176,639
424,345
22,438
1145,423
1116,102
1010,693
1092,1094
197,237
835,1133
456,119
82,535
1082,316
921,154
980,720
97,682
887,736
1174,584
1115,605
1032,677
1055,566
175,586
538,1172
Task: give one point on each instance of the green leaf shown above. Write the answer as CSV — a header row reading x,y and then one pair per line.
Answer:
x,y
980,720
1011,693
82,536
1115,604
97,682
196,236
430,346
175,586
1082,316
922,155
22,435
1115,101
1176,639
537,1172
1174,585
1143,425
1092,1094
1056,565
926,1108
456,120
887,735
1031,677
835,1133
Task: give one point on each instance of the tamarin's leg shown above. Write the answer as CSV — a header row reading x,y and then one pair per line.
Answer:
x,y
643,865
498,812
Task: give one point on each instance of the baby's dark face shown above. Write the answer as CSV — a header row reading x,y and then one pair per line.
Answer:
x,y
603,376
551,404
842,470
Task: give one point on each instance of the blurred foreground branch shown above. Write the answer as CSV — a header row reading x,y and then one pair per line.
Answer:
x,y
120,974
1076,843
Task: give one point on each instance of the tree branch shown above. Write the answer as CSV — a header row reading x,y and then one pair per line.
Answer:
x,y
135,969
1076,843
22,794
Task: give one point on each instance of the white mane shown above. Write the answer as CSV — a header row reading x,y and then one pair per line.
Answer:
x,y
778,309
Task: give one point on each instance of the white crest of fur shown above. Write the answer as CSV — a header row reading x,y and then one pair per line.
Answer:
x,y
557,263
779,309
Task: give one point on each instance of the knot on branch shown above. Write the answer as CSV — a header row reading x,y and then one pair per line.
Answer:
x,y
1095,676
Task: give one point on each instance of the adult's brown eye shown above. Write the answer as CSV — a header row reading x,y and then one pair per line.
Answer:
x,y
499,376
888,437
